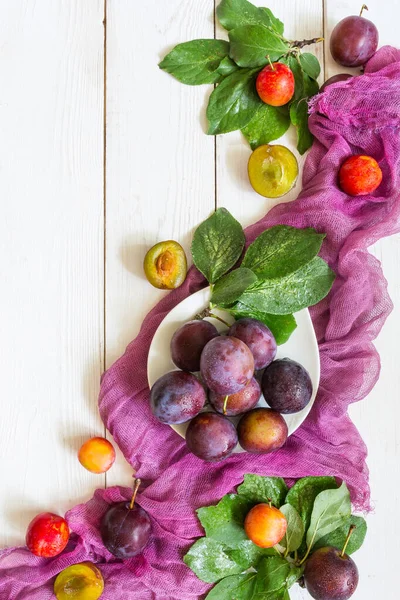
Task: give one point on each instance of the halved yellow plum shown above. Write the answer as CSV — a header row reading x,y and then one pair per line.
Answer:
x,y
165,265
82,581
273,170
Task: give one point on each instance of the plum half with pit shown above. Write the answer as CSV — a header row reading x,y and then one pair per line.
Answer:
x,y
258,338
126,528
188,343
177,397
286,386
262,430
226,365
211,437
236,404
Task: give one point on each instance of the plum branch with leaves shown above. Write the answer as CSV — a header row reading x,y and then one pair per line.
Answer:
x,y
255,38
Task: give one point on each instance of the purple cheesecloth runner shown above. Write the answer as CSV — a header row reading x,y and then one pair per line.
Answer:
x,y
361,115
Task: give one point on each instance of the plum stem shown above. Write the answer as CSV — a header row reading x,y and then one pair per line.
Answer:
x,y
302,43
270,63
364,7
135,490
225,404
212,315
352,528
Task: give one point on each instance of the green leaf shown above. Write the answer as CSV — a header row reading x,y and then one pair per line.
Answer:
x,y
302,495
233,103
256,489
236,587
231,286
299,118
227,66
235,13
294,575
196,62
268,124
224,522
295,528
291,293
251,44
272,574
282,326
337,537
217,244
210,560
275,22
246,554
332,509
281,250
310,65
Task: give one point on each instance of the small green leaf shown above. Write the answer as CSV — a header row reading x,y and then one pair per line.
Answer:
x,y
210,561
250,45
337,537
234,13
282,326
310,64
302,495
224,522
299,118
236,587
291,293
281,250
256,489
217,244
332,509
196,62
233,103
231,286
227,66
268,124
295,528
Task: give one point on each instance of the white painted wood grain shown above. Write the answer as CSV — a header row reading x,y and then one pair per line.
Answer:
x,y
51,257
160,164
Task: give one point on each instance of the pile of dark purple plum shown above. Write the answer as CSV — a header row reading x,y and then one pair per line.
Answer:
x,y
233,371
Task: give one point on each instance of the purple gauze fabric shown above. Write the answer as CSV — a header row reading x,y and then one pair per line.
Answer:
x,y
357,116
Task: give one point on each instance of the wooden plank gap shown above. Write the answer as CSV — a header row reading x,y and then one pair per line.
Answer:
x,y
104,197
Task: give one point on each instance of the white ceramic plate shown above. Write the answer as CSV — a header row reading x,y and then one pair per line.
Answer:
x,y
302,347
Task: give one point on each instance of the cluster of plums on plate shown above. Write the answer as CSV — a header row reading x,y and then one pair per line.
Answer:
x,y
230,382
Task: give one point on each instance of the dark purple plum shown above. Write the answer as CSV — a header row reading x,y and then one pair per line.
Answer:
x,y
258,338
211,437
236,404
226,365
125,528
354,41
188,342
262,430
177,397
286,386
330,576
335,79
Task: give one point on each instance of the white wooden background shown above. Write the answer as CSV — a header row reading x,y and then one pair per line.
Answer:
x,y
81,203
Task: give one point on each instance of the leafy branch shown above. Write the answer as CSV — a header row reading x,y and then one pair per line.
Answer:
x,y
280,273
239,568
255,38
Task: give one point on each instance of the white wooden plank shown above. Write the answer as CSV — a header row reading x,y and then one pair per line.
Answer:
x,y
302,20
51,258
160,164
378,416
